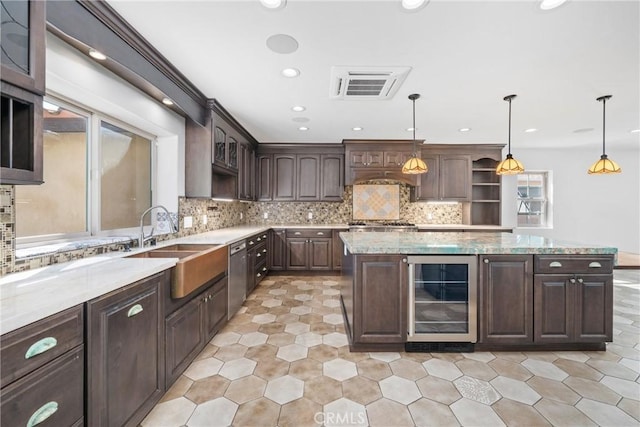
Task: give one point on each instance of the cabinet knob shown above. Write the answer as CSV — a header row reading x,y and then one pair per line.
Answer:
x,y
572,280
486,261
251,242
264,250
264,268
258,255
259,239
580,280
136,309
258,275
403,260
42,413
40,346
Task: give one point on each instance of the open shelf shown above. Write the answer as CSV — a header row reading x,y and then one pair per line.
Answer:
x,y
485,192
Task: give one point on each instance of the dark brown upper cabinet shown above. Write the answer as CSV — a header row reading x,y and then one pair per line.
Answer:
x,y
448,178
22,69
219,157
377,159
290,172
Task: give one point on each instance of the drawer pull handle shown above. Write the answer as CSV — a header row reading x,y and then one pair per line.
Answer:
x,y
595,264
44,412
297,233
134,310
320,233
555,264
39,347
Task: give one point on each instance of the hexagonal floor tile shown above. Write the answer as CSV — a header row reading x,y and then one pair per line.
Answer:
x,y
296,328
301,310
245,389
253,339
271,303
309,339
333,319
515,390
442,369
263,318
335,339
339,369
238,368
478,390
322,389
284,389
203,368
342,412
292,352
221,409
400,389
225,338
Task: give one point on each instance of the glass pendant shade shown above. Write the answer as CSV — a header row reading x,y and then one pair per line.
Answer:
x,y
604,165
414,166
509,166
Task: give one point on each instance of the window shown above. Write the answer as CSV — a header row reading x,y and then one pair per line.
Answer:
x,y
73,202
533,199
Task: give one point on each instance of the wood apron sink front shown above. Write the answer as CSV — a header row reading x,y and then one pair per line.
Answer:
x,y
197,264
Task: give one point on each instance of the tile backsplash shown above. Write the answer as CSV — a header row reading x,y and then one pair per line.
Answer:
x,y
221,214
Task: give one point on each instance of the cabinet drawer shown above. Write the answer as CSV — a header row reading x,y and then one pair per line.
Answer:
x,y
260,252
256,239
30,347
590,264
308,233
53,392
260,271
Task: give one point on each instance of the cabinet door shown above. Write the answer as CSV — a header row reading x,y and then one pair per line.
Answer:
x,y
358,159
593,308
184,338
264,177
338,250
320,257
396,158
297,253
219,146
126,366
284,175
215,311
308,177
278,252
506,299
245,172
553,300
380,299
455,177
23,58
430,181
332,177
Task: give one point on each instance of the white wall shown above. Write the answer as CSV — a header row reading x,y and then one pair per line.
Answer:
x,y
591,209
80,80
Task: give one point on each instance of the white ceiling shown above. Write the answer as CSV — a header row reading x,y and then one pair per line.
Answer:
x,y
465,57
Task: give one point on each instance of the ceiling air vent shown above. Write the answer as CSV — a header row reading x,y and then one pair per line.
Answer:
x,y
366,83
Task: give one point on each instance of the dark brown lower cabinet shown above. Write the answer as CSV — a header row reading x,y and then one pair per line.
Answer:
x,y
374,298
338,249
278,245
54,394
573,308
125,352
309,249
506,299
189,328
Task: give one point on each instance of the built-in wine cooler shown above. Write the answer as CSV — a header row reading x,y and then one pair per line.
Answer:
x,y
442,302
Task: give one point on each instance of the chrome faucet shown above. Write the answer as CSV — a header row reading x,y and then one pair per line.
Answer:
x,y
142,239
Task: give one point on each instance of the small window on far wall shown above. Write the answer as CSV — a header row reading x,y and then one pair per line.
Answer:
x,y
533,199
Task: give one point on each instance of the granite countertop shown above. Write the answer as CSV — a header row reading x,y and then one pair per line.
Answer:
x,y
463,244
462,227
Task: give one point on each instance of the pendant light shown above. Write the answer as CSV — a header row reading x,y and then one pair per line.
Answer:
x,y
414,165
509,166
605,164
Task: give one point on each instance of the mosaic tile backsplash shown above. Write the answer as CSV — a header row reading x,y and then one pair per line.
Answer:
x,y
219,215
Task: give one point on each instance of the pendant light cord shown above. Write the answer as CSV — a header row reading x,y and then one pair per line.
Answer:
x,y
414,128
604,106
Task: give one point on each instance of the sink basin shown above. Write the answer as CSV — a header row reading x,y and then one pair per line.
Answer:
x,y
197,265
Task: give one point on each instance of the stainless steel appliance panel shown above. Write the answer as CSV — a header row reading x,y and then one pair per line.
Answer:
x,y
237,277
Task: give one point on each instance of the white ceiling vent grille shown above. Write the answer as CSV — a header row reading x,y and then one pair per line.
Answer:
x,y
366,83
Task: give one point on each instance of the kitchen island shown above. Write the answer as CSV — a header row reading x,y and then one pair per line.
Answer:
x,y
524,292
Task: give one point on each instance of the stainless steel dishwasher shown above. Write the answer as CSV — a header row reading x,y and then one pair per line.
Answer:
x,y
237,277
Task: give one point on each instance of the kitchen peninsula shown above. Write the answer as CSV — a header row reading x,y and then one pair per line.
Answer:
x,y
521,292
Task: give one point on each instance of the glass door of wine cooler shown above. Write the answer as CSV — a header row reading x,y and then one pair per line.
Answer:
x,y
442,298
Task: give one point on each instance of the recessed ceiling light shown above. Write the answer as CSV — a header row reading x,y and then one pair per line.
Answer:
x,y
95,54
303,128
291,72
464,129
635,131
530,130
167,101
274,4
282,43
357,128
298,108
413,5
551,4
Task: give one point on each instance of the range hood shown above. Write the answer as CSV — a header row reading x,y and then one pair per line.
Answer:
x,y
362,176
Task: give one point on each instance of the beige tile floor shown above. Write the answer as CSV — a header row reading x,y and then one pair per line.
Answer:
x,y
283,360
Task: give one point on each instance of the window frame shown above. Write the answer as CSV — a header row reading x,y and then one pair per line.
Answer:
x,y
94,178
547,199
